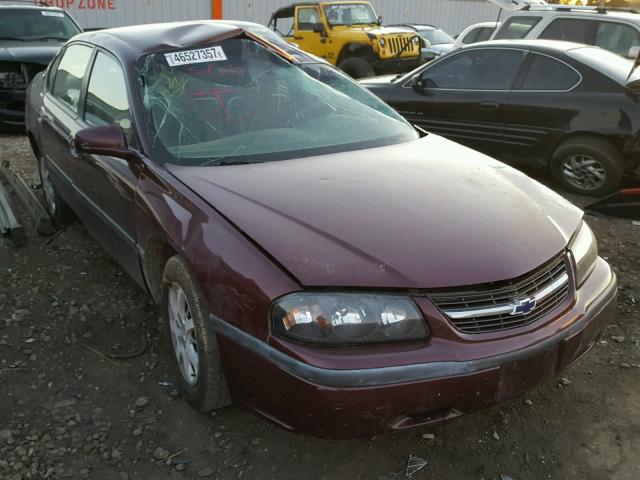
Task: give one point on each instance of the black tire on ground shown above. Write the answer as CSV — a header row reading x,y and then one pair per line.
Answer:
x,y
58,210
605,154
210,391
356,67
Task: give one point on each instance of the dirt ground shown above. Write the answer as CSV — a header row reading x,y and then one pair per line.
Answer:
x,y
68,411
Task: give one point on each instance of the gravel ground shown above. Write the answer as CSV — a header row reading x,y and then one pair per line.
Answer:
x,y
69,411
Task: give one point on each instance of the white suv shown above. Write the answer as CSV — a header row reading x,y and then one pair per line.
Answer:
x,y
617,30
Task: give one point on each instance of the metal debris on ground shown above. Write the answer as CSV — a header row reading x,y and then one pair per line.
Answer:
x,y
414,465
8,221
29,201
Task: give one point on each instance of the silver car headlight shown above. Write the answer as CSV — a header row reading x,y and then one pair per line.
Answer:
x,y
381,42
347,318
584,249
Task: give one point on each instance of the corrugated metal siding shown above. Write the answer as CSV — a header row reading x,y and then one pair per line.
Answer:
x,y
450,15
118,13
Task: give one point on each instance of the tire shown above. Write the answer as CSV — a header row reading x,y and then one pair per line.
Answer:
x,y
56,207
356,67
203,385
597,166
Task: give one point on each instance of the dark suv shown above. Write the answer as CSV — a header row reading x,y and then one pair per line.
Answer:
x,y
29,38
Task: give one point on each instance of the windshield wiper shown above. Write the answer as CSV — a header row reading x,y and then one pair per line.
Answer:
x,y
49,38
13,38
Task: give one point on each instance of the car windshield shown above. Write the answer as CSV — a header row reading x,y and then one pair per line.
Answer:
x,y
350,14
608,63
31,24
436,37
237,102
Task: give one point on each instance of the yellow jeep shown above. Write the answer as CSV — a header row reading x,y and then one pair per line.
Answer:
x,y
349,35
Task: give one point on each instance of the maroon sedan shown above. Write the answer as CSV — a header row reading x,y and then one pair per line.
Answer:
x,y
316,258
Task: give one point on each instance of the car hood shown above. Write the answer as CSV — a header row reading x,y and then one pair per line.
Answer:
x,y
29,52
424,214
440,48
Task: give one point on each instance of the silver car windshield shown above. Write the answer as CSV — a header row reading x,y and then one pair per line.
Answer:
x,y
237,102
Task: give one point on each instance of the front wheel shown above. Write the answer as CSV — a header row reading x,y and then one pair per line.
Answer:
x,y
356,67
587,166
196,356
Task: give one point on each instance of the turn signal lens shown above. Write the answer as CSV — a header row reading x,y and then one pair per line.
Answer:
x,y
345,319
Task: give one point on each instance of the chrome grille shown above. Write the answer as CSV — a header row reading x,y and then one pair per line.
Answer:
x,y
509,304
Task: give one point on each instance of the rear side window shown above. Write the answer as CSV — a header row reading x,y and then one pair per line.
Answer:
x,y
477,69
617,37
516,27
107,102
570,30
546,73
71,71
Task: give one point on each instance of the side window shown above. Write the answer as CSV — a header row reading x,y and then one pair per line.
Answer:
x,y
51,73
307,18
571,30
107,102
546,73
478,69
70,73
484,34
617,37
471,37
516,27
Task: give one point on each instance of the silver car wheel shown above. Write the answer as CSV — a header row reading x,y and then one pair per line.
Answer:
x,y
183,334
584,172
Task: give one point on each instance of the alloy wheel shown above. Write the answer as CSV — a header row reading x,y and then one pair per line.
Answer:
x,y
183,334
584,172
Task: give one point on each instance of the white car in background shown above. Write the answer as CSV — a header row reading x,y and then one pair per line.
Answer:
x,y
616,30
478,32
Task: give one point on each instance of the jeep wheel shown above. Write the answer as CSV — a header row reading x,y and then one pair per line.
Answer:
x,y
356,67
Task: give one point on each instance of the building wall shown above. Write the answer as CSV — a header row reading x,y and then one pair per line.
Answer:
x,y
451,15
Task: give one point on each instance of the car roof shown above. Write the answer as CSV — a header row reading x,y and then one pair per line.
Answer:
x,y
557,46
28,6
130,43
137,40
288,10
582,12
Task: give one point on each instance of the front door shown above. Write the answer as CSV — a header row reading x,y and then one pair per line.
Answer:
x,y
462,97
310,34
109,182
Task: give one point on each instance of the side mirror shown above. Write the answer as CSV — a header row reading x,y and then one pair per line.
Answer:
x,y
633,52
379,19
318,28
106,140
415,82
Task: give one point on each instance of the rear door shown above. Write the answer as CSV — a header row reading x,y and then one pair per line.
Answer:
x,y
58,118
462,96
540,110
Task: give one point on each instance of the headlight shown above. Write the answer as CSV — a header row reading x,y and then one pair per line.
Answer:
x,y
584,249
344,318
382,43
416,39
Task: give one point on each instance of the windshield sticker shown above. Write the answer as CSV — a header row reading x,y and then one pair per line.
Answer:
x,y
47,13
210,54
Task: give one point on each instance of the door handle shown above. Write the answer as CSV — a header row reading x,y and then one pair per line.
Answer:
x,y
298,38
488,106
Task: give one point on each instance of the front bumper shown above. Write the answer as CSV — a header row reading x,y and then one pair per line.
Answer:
x,y
12,104
396,65
334,402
